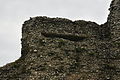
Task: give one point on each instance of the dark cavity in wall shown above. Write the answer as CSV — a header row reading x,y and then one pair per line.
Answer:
x,y
65,36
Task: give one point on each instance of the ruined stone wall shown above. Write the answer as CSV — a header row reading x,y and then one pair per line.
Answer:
x,y
61,49
114,19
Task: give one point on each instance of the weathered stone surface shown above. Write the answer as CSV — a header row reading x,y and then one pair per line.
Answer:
x,y
61,49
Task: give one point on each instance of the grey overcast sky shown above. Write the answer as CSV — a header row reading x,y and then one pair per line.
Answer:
x,y
14,12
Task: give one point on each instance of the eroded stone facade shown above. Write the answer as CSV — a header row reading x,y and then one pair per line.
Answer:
x,y
61,49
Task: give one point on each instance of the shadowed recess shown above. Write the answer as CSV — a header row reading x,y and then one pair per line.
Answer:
x,y
65,36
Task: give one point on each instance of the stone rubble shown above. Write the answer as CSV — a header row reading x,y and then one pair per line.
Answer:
x,y
61,49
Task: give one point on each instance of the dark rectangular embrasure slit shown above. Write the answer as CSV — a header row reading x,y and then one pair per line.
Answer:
x,y
65,36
